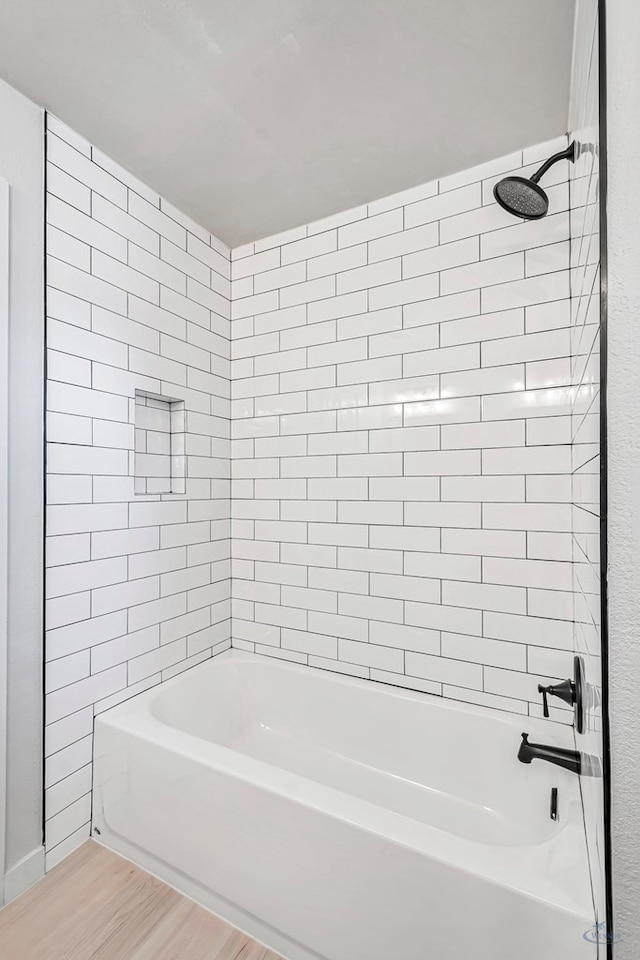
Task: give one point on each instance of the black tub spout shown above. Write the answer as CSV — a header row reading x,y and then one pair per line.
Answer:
x,y
569,759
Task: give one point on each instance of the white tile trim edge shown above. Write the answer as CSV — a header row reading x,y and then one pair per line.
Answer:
x,y
24,874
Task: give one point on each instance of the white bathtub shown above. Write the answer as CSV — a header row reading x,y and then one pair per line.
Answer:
x,y
335,818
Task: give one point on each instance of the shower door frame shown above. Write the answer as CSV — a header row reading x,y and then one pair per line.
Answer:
x,y
604,561
4,508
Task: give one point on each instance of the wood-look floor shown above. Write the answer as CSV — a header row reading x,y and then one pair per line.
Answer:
x,y
97,906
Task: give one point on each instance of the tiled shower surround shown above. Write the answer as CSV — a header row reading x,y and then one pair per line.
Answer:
x,y
401,492
401,454
138,586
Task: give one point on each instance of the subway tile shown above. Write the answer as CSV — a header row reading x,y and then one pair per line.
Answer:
x,y
444,205
404,587
335,398
442,462
67,188
338,262
353,628
486,326
367,277
404,291
405,390
341,488
444,670
405,242
527,516
441,309
379,608
455,410
370,228
486,543
416,639
443,514
376,561
482,435
533,346
307,292
464,357
442,566
309,247
493,653
323,444
369,511
330,353
126,278
108,214
443,257
62,155
88,229
403,537
484,596
371,465
310,643
371,655
523,293
330,580
405,341
554,459
486,489
147,213
368,324
485,274
366,371
62,703
545,574
75,577
370,418
486,380
334,308
403,488
404,438
68,279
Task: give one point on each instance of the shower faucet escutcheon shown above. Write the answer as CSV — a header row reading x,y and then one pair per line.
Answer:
x,y
570,691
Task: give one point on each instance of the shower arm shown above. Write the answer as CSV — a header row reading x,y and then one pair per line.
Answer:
x,y
568,154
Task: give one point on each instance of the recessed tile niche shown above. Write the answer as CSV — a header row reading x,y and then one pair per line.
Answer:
x,y
159,444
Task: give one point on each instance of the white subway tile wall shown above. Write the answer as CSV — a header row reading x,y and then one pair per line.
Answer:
x,y
585,426
402,399
138,586
398,385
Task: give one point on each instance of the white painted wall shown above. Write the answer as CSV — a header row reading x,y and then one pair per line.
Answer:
x,y
623,394
21,164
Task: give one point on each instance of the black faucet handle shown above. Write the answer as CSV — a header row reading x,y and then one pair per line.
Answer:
x,y
545,705
566,691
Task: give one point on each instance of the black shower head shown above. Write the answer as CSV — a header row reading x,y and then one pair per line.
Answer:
x,y
526,198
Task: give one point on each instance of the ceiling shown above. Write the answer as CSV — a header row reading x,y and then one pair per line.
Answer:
x,y
254,116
